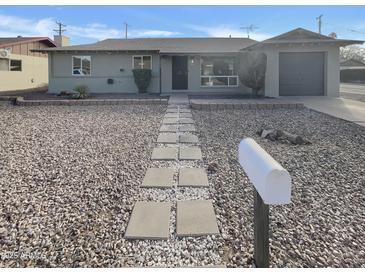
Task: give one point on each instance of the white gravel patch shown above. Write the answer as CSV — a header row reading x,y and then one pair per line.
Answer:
x,y
69,177
325,223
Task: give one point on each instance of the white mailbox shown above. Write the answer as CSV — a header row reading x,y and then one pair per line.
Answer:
x,y
270,179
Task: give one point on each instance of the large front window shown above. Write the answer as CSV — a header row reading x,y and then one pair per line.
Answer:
x,y
142,62
218,71
81,65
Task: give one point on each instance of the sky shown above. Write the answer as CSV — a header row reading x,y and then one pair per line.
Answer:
x,y
88,24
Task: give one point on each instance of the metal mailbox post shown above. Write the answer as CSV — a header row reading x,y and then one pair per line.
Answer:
x,y
272,184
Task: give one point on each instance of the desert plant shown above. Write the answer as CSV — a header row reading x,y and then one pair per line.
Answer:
x,y
142,78
82,92
252,69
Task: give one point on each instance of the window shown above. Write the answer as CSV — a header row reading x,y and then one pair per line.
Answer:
x,y
218,71
4,64
81,65
15,65
10,65
142,62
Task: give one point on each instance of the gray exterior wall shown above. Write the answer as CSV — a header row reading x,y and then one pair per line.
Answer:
x,y
103,66
193,76
331,65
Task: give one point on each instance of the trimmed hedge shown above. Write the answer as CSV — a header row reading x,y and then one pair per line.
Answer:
x,y
142,78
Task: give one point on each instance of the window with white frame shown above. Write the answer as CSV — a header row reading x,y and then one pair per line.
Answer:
x,y
10,64
218,71
81,65
4,64
142,62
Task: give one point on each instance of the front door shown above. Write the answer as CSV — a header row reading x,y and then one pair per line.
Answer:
x,y
179,72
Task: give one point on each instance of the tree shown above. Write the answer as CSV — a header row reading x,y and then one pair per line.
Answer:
x,y
353,52
252,69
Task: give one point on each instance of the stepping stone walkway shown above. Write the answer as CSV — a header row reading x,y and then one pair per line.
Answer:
x,y
159,177
196,218
164,153
149,220
175,142
190,153
167,138
193,177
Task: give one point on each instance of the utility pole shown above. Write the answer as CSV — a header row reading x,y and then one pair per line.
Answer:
x,y
249,29
126,30
319,20
60,28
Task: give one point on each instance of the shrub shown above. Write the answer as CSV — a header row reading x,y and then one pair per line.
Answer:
x,y
82,92
252,70
142,78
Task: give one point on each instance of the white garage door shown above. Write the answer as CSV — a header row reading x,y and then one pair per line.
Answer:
x,y
301,73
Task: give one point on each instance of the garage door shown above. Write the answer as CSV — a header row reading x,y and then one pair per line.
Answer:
x,y
301,73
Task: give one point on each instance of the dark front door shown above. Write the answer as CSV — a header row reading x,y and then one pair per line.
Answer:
x,y
179,72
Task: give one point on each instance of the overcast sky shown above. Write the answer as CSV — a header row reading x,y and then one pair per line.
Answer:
x,y
87,24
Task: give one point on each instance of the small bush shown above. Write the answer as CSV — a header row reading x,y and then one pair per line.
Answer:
x,y
142,78
82,92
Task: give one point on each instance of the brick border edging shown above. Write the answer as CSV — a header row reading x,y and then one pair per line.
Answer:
x,y
89,102
225,106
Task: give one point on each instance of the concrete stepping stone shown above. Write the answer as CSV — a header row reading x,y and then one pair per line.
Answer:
x,y
158,177
185,111
195,218
193,177
188,127
171,115
164,153
169,128
185,115
188,139
170,121
186,121
149,220
172,110
190,153
167,138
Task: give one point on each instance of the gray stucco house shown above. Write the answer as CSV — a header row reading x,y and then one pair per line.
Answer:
x,y
299,62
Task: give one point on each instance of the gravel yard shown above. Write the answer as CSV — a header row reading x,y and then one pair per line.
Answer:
x,y
325,224
69,177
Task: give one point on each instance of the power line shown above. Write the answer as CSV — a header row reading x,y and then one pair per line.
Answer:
x,y
249,29
60,28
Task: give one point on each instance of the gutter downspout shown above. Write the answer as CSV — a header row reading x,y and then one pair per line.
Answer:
x,y
160,72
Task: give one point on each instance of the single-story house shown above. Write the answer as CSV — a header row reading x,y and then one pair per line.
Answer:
x,y
352,71
299,62
20,67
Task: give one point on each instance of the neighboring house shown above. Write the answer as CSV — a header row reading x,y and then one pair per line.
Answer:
x,y
299,62
21,68
352,71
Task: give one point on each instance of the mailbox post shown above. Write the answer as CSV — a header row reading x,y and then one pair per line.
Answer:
x,y
272,186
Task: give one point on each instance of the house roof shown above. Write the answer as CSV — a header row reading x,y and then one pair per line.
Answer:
x,y
10,41
351,63
303,36
163,45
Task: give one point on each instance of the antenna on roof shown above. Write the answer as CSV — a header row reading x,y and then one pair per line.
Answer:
x,y
319,20
249,29
126,29
60,29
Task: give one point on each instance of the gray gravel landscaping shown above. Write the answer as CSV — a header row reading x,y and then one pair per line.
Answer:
x,y
325,223
70,176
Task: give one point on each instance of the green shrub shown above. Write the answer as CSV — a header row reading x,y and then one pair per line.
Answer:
x,y
142,78
82,92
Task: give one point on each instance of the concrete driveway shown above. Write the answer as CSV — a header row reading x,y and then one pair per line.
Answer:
x,y
353,91
347,109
